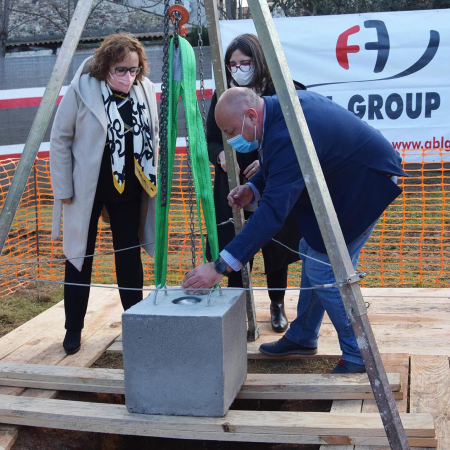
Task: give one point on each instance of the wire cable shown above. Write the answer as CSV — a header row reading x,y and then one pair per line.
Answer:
x,y
106,286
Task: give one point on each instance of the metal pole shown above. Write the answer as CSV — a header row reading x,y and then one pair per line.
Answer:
x,y
42,118
328,222
215,43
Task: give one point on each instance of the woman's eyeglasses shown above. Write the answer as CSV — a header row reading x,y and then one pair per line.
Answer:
x,y
122,71
243,67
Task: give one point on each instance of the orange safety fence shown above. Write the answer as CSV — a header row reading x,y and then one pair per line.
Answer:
x,y
409,247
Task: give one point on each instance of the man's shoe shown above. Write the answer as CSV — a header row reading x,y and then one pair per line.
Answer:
x,y
278,317
344,366
284,347
72,342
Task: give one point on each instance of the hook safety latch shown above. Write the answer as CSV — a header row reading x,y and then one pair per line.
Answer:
x,y
179,19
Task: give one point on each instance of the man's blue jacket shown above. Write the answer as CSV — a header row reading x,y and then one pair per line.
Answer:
x,y
357,162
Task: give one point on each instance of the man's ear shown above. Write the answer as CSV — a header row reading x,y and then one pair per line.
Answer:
x,y
251,112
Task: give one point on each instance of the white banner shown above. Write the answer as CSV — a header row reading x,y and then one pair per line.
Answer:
x,y
390,69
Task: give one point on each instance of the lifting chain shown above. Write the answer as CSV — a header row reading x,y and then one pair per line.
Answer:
x,y
177,16
164,109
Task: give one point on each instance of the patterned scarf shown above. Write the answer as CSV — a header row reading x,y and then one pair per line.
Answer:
x,y
144,157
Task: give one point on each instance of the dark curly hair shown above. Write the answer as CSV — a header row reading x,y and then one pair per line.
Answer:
x,y
250,46
113,49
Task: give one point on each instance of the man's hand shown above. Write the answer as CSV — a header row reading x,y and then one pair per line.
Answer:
x,y
203,276
66,201
240,196
222,161
251,169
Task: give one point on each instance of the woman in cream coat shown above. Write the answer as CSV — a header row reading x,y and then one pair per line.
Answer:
x,y
103,155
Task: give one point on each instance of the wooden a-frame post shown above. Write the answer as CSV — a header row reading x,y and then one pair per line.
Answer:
x,y
43,116
215,44
326,215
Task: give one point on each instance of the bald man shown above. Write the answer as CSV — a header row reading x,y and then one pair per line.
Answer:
x,y
360,168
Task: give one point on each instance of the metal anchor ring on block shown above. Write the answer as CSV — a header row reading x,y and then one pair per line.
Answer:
x,y
183,15
187,300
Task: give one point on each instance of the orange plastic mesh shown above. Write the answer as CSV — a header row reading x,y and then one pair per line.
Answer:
x,y
409,247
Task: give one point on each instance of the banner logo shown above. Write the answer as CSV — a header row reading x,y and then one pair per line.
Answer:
x,y
382,47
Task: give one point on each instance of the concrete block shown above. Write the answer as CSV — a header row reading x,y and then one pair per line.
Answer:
x,y
183,358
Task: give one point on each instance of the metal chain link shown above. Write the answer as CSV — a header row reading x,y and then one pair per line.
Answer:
x,y
164,109
176,23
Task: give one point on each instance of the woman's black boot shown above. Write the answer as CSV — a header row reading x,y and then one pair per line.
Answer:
x,y
278,317
72,342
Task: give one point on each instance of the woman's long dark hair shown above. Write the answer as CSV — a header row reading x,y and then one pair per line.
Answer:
x,y
249,45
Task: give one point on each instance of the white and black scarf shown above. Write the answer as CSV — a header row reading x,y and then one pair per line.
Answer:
x,y
144,156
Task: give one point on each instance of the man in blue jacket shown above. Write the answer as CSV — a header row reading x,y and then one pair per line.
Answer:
x,y
359,166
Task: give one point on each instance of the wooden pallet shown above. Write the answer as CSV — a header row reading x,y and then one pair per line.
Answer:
x,y
253,426
421,316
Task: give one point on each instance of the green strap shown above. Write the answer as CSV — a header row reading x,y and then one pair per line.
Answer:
x,y
199,160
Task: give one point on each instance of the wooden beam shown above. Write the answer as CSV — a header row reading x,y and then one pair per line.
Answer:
x,y
257,386
8,436
430,392
253,426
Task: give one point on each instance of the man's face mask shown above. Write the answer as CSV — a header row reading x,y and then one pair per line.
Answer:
x,y
240,144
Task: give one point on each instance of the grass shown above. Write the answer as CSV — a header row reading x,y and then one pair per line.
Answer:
x,y
26,303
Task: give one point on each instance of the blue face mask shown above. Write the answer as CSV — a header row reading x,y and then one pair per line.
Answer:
x,y
240,144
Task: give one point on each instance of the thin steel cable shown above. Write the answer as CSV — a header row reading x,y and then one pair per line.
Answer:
x,y
107,286
48,261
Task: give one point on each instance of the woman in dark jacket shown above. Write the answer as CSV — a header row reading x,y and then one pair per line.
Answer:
x,y
247,67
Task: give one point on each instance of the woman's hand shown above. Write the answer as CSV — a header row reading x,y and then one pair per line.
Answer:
x,y
251,169
240,196
66,201
222,162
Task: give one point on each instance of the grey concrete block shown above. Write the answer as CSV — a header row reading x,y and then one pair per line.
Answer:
x,y
185,359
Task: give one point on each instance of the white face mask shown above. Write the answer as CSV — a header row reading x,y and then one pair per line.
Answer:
x,y
244,78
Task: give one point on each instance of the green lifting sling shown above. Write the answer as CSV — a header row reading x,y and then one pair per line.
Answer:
x,y
182,81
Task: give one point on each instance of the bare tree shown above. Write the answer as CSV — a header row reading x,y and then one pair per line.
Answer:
x,y
4,27
54,16
329,7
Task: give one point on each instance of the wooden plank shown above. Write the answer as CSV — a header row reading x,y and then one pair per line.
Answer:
x,y
391,338
343,407
398,362
42,334
407,292
50,319
257,386
430,392
91,350
378,305
432,319
115,419
115,348
425,342
8,436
